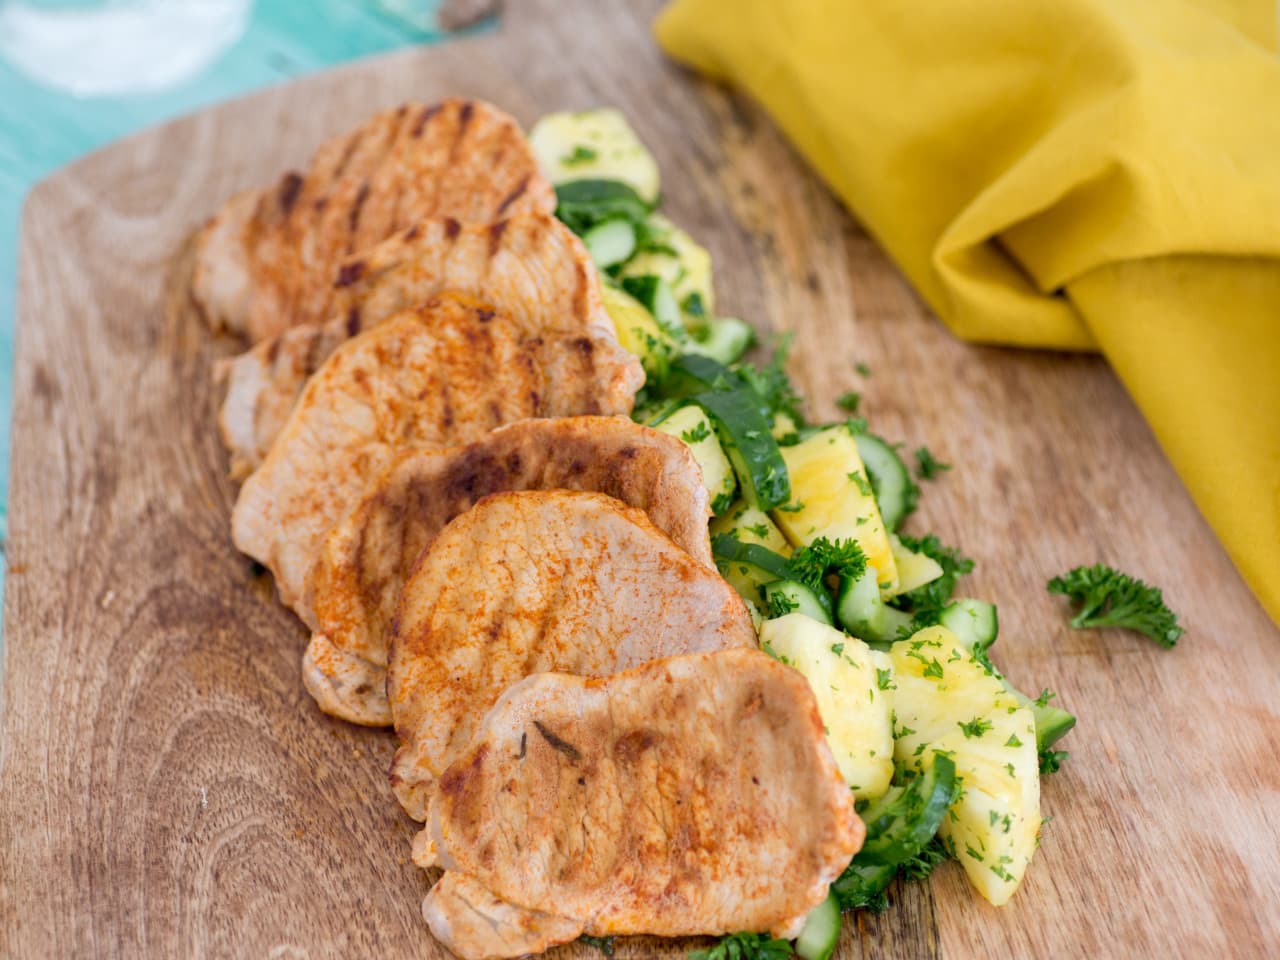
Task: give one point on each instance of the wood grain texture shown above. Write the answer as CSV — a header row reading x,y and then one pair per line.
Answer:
x,y
167,788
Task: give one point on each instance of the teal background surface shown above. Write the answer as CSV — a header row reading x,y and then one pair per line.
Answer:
x,y
42,129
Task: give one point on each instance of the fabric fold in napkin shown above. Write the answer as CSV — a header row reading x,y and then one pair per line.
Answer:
x,y
1075,174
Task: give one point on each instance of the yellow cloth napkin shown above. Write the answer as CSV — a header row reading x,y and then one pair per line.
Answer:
x,y
1080,174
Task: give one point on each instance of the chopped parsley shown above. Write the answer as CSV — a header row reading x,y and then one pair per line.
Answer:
x,y
862,368
975,727
884,679
603,944
693,305
849,401
697,434
861,482
928,467
581,154
1051,760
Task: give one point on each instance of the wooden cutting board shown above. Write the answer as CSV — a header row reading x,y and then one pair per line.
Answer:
x,y
168,788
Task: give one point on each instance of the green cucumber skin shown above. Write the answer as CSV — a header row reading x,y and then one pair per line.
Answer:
x,y
821,933
903,821
895,491
727,547
812,603
864,614
693,373
745,437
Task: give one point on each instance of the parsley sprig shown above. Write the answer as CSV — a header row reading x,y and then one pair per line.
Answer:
x,y
1105,597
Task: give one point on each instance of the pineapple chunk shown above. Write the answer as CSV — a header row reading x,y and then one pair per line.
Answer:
x,y
856,711
751,525
687,270
946,700
691,424
831,497
594,145
638,331
914,569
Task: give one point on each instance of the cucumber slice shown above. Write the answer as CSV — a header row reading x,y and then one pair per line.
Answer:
x,y
821,932
895,491
864,614
744,435
610,242
747,566
655,293
1052,723
974,622
692,374
725,339
901,822
899,825
815,604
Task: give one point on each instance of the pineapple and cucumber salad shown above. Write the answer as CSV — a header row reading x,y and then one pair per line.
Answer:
x,y
942,754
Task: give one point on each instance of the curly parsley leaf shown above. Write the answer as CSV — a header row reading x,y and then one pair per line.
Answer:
x,y
812,564
1105,597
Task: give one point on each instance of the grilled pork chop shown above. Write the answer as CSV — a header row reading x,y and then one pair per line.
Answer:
x,y
444,374
691,795
531,267
531,581
268,259
367,556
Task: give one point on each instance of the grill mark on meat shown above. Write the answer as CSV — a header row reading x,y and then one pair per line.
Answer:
x,y
348,153
496,230
353,221
464,121
582,280
515,194
568,749
350,272
451,228
524,746
484,315
290,186
353,321
423,118
273,350
412,233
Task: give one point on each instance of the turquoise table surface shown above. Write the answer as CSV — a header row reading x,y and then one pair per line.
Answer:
x,y
43,127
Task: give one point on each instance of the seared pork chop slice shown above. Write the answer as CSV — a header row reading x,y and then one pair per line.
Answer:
x,y
531,581
690,795
441,375
268,259
367,556
531,267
